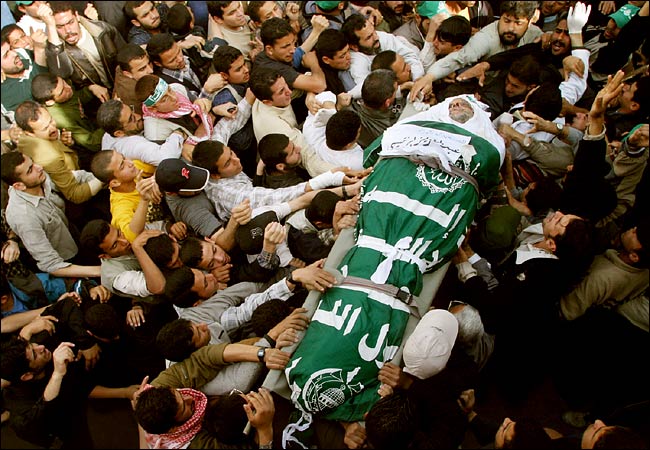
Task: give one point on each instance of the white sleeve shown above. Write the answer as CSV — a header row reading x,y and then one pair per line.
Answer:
x,y
131,282
427,56
225,128
408,51
138,147
359,67
575,86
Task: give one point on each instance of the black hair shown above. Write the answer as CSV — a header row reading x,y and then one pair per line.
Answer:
x,y
130,6
156,409
253,10
179,19
108,116
43,86
9,162
353,23
526,69
273,29
321,208
545,101
641,95
146,86
268,315
160,249
93,234
99,165
620,438
59,7
14,363
191,252
178,288
215,9
223,58
391,422
384,60
455,29
174,340
206,154
127,54
271,149
102,321
575,247
159,43
27,111
342,129
378,87
7,30
329,43
227,420
544,196
519,9
261,80
529,433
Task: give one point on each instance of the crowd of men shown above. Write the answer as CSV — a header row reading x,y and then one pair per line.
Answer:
x,y
175,175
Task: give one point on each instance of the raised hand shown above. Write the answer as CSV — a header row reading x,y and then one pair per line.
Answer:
x,y
577,18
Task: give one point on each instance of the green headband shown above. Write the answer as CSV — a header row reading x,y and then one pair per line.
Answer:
x,y
161,89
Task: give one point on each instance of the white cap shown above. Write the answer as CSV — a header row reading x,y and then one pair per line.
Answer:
x,y
428,348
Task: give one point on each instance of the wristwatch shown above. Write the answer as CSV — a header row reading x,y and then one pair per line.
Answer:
x,y
291,280
560,127
260,354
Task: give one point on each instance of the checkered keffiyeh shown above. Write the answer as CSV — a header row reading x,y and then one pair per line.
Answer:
x,y
182,435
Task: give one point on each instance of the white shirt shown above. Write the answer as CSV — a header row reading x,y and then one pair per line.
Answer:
x,y
361,63
314,129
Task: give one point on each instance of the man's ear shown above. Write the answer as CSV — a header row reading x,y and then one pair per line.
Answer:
x,y
268,102
634,257
4,299
19,186
457,47
136,23
119,133
127,74
27,376
104,256
225,76
634,106
280,167
114,183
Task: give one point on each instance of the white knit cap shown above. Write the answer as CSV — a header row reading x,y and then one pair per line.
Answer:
x,y
428,348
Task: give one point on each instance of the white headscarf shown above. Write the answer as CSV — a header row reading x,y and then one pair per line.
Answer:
x,y
480,124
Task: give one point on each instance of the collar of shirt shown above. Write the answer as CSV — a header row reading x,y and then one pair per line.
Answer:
x,y
33,199
529,251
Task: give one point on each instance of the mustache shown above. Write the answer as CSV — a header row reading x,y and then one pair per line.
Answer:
x,y
558,42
